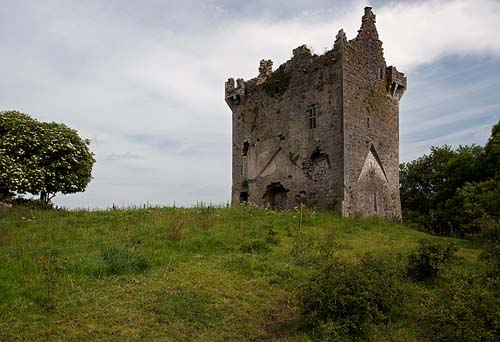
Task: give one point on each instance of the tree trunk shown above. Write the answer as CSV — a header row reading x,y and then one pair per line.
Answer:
x,y
44,197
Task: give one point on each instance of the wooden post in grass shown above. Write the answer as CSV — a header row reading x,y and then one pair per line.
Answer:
x,y
301,214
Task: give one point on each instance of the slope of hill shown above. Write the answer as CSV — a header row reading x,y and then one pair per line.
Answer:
x,y
204,274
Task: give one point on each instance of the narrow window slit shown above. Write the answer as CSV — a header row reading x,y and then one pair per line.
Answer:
x,y
246,145
311,117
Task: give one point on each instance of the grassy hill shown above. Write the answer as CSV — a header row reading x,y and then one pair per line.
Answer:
x,y
201,274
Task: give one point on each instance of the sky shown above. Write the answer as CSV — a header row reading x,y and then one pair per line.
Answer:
x,y
144,80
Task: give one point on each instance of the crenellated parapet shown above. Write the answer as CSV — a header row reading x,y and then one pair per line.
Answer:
x,y
302,50
265,70
235,92
396,82
340,39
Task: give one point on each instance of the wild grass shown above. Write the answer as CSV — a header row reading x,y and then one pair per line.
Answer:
x,y
173,274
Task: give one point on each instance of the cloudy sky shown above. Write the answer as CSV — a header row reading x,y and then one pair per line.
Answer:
x,y
144,80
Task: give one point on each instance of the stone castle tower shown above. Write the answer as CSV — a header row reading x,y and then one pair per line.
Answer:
x,y
321,129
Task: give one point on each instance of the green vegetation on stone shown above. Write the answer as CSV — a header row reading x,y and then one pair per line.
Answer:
x,y
278,82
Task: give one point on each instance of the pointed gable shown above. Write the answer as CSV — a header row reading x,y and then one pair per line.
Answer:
x,y
372,167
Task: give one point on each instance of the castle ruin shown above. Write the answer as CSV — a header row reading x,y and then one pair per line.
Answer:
x,y
320,129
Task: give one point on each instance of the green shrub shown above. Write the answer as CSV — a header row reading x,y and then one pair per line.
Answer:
x,y
491,257
30,203
490,231
463,311
119,261
343,300
305,250
256,246
308,250
429,258
272,237
465,306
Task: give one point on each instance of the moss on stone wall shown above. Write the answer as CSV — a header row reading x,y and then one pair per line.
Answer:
x,y
376,99
277,83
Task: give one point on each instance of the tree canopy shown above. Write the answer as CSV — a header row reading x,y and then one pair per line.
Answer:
x,y
41,158
454,191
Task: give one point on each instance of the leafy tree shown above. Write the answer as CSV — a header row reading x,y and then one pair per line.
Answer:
x,y
479,204
454,191
41,158
428,185
492,153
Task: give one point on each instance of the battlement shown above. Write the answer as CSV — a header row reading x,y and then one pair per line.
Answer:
x,y
340,38
301,57
302,50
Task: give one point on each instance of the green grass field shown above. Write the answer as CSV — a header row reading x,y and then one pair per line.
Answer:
x,y
201,274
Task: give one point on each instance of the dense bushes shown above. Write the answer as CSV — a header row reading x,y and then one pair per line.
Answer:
x,y
465,306
463,310
429,258
343,300
346,302
32,203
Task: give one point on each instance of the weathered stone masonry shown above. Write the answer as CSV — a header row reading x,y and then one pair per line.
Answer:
x,y
323,129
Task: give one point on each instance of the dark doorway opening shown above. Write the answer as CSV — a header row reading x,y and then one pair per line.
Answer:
x,y
244,196
246,146
276,196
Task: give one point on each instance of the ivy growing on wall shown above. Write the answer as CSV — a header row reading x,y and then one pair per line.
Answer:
x,y
278,82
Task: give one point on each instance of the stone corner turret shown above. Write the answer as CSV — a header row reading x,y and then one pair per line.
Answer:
x,y
396,82
234,93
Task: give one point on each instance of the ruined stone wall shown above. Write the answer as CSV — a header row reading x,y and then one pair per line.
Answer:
x,y
371,116
273,117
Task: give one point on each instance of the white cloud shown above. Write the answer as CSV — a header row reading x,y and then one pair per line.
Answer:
x,y
114,72
421,32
